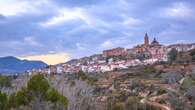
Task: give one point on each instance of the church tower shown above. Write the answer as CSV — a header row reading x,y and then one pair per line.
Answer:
x,y
146,40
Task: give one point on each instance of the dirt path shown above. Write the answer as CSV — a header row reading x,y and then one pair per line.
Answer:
x,y
163,107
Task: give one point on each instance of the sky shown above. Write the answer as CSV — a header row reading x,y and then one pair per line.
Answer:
x,y
55,31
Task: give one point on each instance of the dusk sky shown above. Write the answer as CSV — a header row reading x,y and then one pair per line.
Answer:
x,y
55,31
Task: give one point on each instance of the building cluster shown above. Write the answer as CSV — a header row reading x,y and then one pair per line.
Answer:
x,y
119,58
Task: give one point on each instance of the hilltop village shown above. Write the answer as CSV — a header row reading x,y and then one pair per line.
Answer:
x,y
147,53
150,76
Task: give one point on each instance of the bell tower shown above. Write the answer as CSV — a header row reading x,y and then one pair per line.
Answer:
x,y
146,40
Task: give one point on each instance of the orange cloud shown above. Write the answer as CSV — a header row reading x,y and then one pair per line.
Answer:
x,y
50,59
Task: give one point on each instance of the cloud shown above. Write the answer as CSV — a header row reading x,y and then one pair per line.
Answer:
x,y
84,27
107,44
76,3
2,17
31,41
80,46
17,7
65,15
50,59
116,42
178,10
130,21
12,7
76,15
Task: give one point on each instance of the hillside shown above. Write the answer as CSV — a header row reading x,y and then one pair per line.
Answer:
x,y
11,65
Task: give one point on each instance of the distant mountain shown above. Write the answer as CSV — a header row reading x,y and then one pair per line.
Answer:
x,y
11,65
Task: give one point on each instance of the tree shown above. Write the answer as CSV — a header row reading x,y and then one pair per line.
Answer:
x,y
15,100
37,94
38,85
192,53
81,75
53,96
141,56
193,58
172,55
5,81
63,100
84,77
72,83
12,101
22,97
3,101
80,95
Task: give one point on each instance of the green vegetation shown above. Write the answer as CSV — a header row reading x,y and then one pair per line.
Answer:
x,y
132,103
162,101
118,106
161,91
72,83
181,57
149,69
178,103
192,53
37,90
38,86
172,55
90,80
5,81
21,98
53,96
193,75
193,58
81,75
142,56
3,101
187,83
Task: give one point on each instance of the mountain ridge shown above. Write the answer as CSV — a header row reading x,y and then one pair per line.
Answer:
x,y
12,65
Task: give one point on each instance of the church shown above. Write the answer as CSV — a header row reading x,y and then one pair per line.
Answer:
x,y
153,50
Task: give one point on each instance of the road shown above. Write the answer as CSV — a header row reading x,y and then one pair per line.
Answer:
x,y
163,107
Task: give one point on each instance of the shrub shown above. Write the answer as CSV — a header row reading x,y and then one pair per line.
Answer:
x,y
3,101
162,101
81,75
161,91
52,95
72,83
172,55
38,85
118,106
22,97
193,58
187,83
149,69
132,103
5,81
37,88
